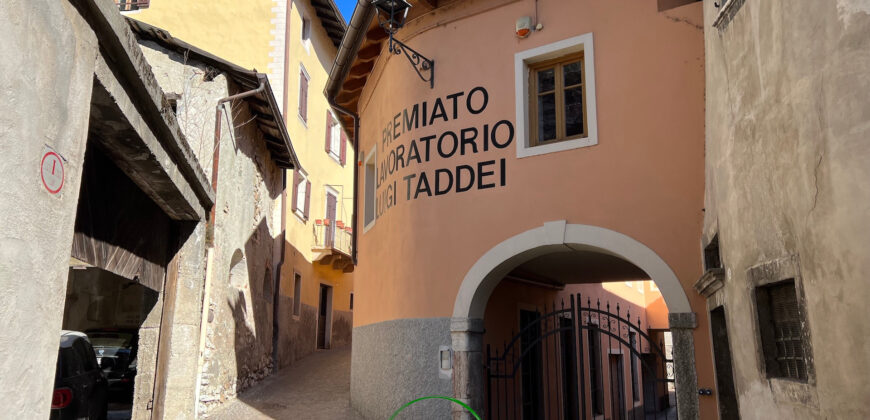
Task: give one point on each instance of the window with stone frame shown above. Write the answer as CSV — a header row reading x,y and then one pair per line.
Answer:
x,y
336,140
781,322
303,95
301,202
557,103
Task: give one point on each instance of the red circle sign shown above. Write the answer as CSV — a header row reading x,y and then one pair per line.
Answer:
x,y
52,172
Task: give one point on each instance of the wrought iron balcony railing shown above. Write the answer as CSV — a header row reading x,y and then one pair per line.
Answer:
x,y
131,5
333,235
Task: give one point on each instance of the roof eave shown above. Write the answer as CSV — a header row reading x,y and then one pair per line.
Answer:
x,y
349,47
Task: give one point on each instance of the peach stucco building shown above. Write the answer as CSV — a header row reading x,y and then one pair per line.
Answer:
x,y
574,155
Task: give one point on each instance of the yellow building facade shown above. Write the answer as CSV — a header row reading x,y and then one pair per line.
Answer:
x,y
319,213
250,34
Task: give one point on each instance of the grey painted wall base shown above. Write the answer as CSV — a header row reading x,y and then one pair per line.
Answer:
x,y
395,362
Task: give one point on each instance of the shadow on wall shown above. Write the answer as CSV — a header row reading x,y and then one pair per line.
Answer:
x,y
250,300
297,326
250,293
237,351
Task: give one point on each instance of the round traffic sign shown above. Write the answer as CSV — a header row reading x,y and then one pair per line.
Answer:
x,y
52,172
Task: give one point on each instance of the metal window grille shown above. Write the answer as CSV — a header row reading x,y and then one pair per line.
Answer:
x,y
782,335
711,254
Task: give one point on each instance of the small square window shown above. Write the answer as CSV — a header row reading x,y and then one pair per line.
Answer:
x,y
712,259
783,339
306,29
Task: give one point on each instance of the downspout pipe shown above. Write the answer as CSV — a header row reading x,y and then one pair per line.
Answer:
x,y
356,169
217,152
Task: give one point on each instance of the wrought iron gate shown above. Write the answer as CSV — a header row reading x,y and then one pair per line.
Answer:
x,y
559,368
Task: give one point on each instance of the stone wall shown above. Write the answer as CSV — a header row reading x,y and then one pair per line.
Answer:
x,y
237,348
787,164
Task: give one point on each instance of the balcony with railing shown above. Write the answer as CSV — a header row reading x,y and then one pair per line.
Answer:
x,y
131,5
333,240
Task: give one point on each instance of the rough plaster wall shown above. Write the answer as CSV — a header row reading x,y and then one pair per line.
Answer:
x,y
788,118
238,350
195,108
46,74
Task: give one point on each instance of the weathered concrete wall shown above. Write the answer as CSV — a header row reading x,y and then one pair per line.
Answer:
x,y
46,80
395,362
787,164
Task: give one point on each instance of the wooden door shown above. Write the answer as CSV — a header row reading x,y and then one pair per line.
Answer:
x,y
323,318
329,232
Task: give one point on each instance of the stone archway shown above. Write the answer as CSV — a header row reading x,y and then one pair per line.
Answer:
x,y
467,322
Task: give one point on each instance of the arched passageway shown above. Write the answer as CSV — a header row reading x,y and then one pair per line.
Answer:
x,y
560,241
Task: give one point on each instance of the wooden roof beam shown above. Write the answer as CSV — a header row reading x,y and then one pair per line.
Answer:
x,y
362,68
354,84
370,52
376,34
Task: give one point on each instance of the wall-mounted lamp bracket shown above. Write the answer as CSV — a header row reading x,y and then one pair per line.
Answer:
x,y
424,67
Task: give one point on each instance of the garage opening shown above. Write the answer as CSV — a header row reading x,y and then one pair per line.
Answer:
x,y
113,308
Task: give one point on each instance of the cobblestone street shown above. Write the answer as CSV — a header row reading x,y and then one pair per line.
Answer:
x,y
317,387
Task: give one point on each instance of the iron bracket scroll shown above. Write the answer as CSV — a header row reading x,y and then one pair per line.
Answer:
x,y
422,65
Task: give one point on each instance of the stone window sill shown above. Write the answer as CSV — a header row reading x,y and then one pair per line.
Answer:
x,y
726,13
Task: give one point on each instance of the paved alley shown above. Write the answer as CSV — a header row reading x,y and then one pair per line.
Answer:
x,y
316,387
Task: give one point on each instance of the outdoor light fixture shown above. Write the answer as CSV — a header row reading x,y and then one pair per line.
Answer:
x,y
446,356
391,17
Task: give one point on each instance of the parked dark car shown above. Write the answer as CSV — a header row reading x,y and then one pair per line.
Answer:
x,y
117,351
80,387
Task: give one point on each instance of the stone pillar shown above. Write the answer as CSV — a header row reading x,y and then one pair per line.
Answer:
x,y
468,375
682,326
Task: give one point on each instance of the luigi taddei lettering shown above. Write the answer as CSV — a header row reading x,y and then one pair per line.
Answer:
x,y
440,146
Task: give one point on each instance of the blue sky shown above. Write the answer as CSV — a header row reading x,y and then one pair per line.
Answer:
x,y
346,8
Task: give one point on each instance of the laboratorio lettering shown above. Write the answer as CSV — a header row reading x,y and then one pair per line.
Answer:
x,y
444,145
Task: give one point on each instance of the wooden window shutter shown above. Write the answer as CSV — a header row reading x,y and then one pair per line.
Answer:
x,y
343,154
303,96
329,123
296,178
307,198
